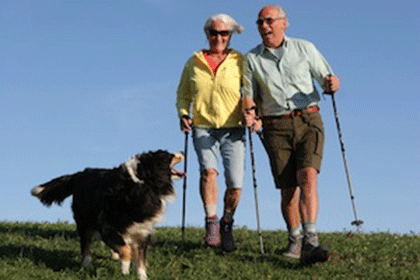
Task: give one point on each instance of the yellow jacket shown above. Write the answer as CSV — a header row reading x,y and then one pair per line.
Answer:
x,y
216,100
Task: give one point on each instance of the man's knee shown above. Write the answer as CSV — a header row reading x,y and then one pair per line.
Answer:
x,y
306,177
290,195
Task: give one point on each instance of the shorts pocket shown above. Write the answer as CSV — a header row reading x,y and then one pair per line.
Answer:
x,y
318,127
319,144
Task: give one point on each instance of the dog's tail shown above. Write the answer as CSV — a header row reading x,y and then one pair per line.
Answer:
x,y
55,190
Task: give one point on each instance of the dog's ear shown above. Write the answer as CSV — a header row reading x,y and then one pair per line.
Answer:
x,y
141,162
162,159
149,163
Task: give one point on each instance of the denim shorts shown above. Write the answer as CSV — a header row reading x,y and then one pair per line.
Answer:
x,y
230,143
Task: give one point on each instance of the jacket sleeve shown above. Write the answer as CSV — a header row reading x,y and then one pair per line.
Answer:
x,y
184,96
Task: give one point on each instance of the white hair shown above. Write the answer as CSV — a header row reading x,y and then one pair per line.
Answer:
x,y
226,19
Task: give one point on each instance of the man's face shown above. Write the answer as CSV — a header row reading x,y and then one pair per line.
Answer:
x,y
271,27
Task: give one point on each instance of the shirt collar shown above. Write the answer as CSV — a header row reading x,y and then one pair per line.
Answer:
x,y
264,48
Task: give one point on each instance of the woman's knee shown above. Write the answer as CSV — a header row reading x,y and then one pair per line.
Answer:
x,y
209,173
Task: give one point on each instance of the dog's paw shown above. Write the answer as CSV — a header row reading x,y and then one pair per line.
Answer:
x,y
115,255
142,274
125,267
86,261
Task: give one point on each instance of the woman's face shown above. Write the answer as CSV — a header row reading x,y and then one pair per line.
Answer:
x,y
219,36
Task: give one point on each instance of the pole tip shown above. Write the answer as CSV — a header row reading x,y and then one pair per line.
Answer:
x,y
357,222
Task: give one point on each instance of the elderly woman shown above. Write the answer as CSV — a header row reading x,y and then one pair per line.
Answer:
x,y
211,85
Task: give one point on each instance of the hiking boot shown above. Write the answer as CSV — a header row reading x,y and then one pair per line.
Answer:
x,y
212,231
227,237
312,252
294,247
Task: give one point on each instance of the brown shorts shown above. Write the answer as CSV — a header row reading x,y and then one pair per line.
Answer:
x,y
293,143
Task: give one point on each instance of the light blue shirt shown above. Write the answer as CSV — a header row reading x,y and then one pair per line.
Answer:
x,y
281,85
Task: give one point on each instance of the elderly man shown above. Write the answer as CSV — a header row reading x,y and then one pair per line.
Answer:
x,y
280,95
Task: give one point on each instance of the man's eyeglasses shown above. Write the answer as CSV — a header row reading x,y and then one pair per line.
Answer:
x,y
268,20
223,33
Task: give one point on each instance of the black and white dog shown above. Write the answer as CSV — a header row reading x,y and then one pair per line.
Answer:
x,y
121,204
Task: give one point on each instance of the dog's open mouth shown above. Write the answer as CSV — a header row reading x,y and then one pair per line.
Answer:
x,y
176,174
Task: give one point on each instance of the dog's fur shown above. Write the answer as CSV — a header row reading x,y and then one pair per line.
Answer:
x,y
121,204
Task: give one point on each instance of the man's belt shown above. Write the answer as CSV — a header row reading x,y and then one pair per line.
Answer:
x,y
298,112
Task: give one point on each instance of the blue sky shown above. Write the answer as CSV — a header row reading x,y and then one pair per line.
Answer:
x,y
91,83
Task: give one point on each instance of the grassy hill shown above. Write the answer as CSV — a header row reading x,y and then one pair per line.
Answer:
x,y
51,251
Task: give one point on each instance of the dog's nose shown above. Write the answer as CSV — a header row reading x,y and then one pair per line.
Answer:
x,y
180,154
178,157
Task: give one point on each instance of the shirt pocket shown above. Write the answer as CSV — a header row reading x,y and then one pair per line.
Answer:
x,y
296,70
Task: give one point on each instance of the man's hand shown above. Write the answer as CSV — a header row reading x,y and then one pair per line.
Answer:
x,y
186,123
331,84
249,116
257,126
250,119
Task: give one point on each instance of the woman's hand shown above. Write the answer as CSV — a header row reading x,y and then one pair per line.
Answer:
x,y
186,123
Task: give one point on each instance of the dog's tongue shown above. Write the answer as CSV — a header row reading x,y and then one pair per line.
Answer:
x,y
178,173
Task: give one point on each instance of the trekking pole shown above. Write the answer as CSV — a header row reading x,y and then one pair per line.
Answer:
x,y
254,179
356,222
185,185
261,136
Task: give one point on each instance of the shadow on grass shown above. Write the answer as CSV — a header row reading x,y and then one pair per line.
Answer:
x,y
190,248
176,247
54,259
276,261
57,260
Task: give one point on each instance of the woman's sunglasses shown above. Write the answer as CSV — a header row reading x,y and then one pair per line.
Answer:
x,y
223,33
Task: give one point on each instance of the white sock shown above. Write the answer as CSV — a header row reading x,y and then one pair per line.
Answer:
x,y
309,227
210,210
294,232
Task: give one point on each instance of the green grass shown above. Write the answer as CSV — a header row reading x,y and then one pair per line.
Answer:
x,y
51,251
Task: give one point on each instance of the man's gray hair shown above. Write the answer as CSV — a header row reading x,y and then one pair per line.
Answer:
x,y
280,10
226,19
